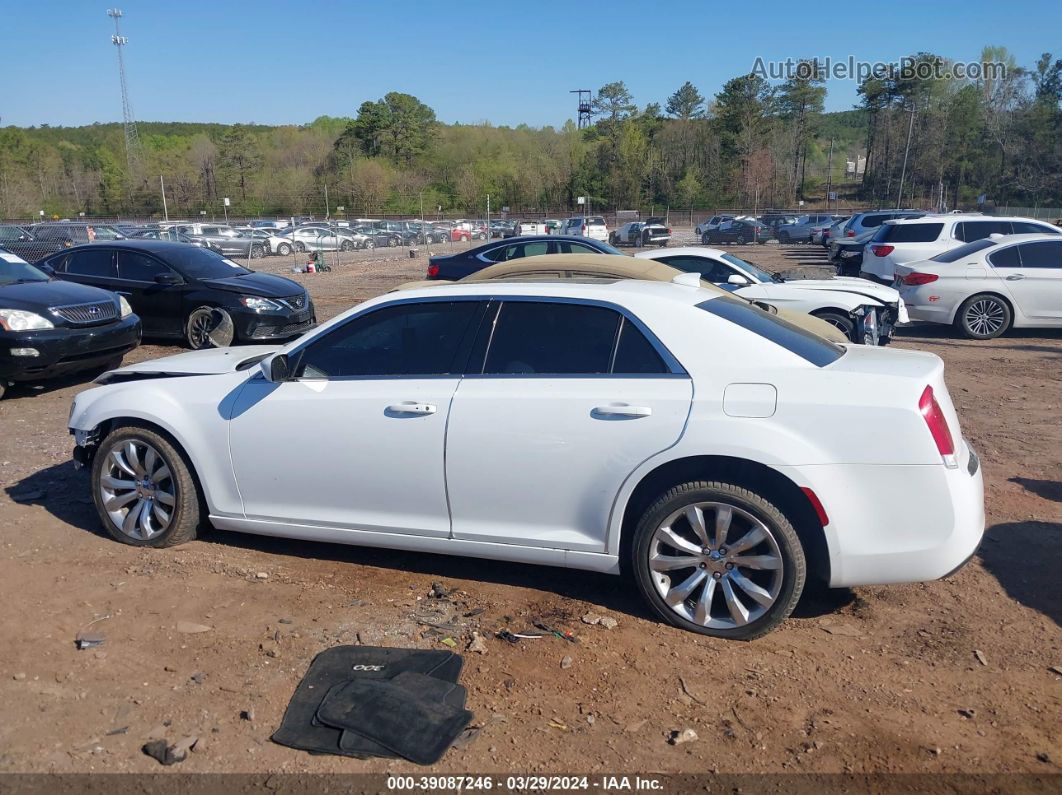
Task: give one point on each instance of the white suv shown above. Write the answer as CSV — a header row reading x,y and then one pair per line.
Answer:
x,y
591,226
913,239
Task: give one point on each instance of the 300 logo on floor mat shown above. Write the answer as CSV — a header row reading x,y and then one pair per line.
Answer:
x,y
366,667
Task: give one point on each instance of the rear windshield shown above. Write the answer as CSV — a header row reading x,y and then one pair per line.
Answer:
x,y
963,251
908,233
595,220
808,346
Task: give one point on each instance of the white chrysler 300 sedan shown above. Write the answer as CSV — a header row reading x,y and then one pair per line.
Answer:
x,y
713,451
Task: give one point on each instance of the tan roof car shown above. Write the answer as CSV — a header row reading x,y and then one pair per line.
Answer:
x,y
549,267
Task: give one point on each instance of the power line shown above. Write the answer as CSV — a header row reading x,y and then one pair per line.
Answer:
x,y
132,137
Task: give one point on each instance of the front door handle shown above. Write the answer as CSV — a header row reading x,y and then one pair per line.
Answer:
x,y
1015,277
411,407
621,410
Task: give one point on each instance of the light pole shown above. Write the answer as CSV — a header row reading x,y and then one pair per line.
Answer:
x,y
906,151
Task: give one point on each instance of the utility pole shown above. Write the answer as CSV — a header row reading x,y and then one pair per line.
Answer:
x,y
132,137
488,216
165,209
327,208
829,177
907,149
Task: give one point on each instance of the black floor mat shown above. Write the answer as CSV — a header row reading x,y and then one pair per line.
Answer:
x,y
407,715
299,728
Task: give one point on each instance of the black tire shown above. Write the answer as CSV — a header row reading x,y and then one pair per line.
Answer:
x,y
199,324
748,506
612,239
346,245
256,252
740,240
300,246
843,322
984,317
645,240
705,240
3,389
370,243
184,524
283,250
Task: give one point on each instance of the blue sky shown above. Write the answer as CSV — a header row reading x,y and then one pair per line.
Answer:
x,y
277,61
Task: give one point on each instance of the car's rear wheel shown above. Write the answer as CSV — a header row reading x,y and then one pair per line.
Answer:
x,y
143,489
300,246
346,245
283,249
718,559
256,252
370,243
984,316
843,322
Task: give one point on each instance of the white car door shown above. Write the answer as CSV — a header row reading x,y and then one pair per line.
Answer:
x,y
1036,282
572,398
356,440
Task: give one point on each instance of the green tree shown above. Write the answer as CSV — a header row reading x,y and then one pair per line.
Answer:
x,y
238,157
686,103
613,101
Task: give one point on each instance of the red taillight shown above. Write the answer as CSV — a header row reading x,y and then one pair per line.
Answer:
x,y
433,271
583,232
938,426
882,251
849,233
816,503
915,279
669,230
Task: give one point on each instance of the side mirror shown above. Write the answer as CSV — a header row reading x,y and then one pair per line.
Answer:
x,y
44,266
737,278
167,279
276,368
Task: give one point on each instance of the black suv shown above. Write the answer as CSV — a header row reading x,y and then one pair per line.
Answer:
x,y
190,293
50,328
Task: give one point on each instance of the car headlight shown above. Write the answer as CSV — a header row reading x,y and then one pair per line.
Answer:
x,y
21,320
259,304
123,305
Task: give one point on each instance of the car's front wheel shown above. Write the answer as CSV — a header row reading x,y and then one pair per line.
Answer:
x,y
842,322
705,240
283,249
983,317
143,489
718,559
370,242
256,252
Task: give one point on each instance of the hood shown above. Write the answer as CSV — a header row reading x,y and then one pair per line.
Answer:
x,y
212,361
862,287
39,296
265,285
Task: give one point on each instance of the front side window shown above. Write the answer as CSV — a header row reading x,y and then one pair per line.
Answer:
x,y
416,339
1044,254
137,267
91,262
568,247
10,232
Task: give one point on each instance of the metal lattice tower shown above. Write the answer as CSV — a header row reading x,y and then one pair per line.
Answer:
x,y
132,137
584,106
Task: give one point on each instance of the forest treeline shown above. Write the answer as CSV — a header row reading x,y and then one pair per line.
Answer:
x,y
753,143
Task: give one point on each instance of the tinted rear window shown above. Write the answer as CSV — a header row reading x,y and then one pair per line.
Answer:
x,y
908,233
809,347
963,251
595,220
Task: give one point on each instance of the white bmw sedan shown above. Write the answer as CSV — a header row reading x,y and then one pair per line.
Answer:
x,y
986,287
717,453
865,311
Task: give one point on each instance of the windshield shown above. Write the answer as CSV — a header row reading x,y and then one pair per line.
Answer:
x,y
758,273
964,251
15,269
605,248
202,263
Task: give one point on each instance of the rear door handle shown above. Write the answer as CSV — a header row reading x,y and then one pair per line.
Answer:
x,y
411,407
1015,277
620,410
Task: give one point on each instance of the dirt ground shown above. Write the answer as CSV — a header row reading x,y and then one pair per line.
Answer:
x,y
961,675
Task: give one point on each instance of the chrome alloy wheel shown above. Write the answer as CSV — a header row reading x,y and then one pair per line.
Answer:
x,y
137,489
985,317
716,565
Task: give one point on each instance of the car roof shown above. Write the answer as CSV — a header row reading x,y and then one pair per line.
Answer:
x,y
1030,237
154,246
934,217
